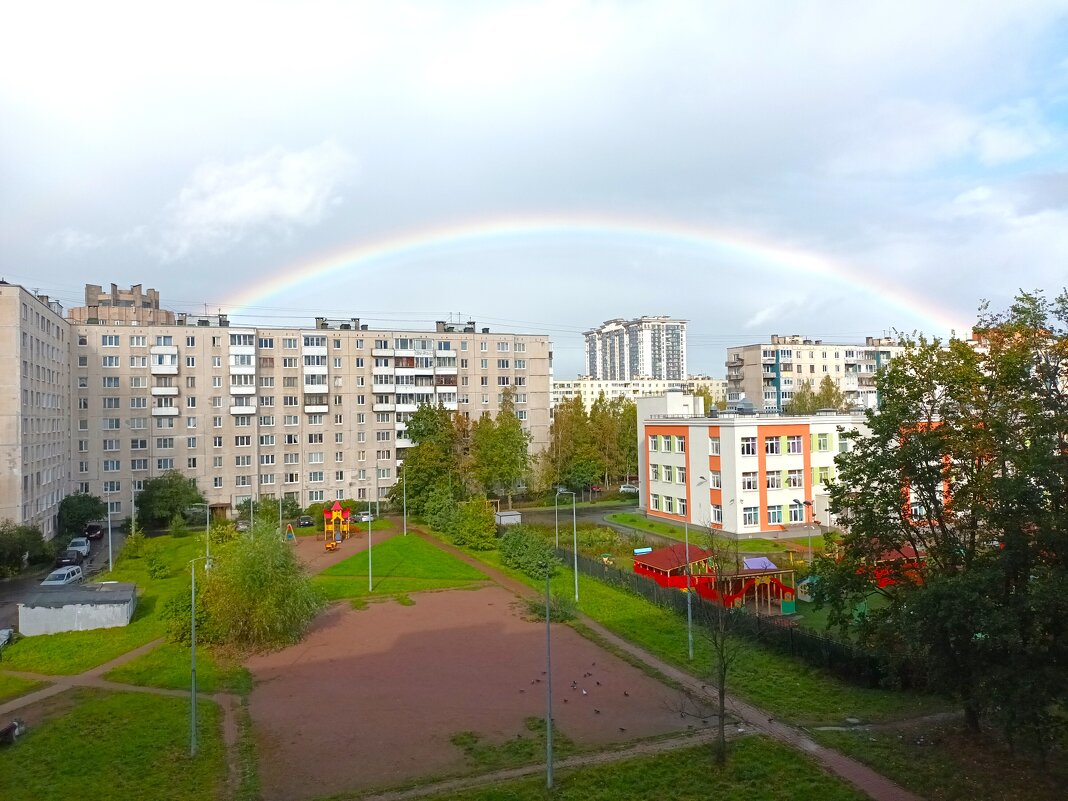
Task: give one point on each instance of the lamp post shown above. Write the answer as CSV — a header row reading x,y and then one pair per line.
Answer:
x,y
574,531
556,506
548,690
370,577
689,573
207,528
808,525
404,495
111,562
193,652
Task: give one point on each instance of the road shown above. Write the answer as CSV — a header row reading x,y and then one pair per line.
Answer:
x,y
14,590
594,515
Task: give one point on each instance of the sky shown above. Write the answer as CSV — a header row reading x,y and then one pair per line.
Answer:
x,y
832,169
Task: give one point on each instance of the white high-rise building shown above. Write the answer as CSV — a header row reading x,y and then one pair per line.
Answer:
x,y
646,347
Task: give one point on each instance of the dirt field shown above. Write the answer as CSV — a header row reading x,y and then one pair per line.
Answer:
x,y
371,698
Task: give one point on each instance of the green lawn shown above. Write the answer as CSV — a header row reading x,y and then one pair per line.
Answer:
x,y
757,769
697,536
13,686
77,651
117,745
790,689
400,565
943,763
169,666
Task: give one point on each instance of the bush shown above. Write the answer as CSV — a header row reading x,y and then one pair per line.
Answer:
x,y
475,526
22,545
134,544
178,527
439,509
522,549
561,608
176,616
157,568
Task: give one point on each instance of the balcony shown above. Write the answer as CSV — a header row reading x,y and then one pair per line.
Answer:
x,y
165,411
163,369
315,369
403,442
313,350
316,408
242,350
736,361
242,410
243,390
384,389
407,407
383,407
315,389
242,369
158,391
379,351
446,370
163,350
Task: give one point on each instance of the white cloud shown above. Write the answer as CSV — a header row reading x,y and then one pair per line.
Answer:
x,y
274,192
71,240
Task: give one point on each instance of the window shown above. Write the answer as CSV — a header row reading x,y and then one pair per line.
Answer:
x,y
668,473
654,472
109,361
164,339
751,516
680,444
771,446
665,443
109,340
824,475
797,513
502,364
138,341
775,516
383,436
749,480
243,461
242,481
715,480
713,446
190,442
138,403
749,446
774,479
111,465
823,442
793,444
669,504
165,464
795,479
717,514
139,464
654,502
682,506
680,475
315,419
164,443
111,423
315,476
243,441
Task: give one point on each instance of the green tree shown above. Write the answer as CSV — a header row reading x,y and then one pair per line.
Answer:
x,y
165,497
434,461
628,438
78,509
475,526
829,396
20,545
605,424
965,462
804,400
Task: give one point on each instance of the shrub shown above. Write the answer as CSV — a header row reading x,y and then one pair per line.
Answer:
x,y
157,568
475,526
178,527
134,544
522,549
20,545
176,617
561,608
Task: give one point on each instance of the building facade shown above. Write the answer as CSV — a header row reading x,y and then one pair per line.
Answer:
x,y
313,414
131,306
589,389
646,347
35,408
762,475
768,374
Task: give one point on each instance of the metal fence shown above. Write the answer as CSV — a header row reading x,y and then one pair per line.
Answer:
x,y
823,651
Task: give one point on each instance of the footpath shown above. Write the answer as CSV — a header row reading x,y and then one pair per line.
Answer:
x,y
868,781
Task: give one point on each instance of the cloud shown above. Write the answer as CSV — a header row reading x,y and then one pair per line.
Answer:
x,y
71,240
272,193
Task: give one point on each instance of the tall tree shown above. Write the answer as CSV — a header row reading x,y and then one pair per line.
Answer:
x,y
804,400
966,463
167,496
628,438
433,462
604,426
78,509
829,396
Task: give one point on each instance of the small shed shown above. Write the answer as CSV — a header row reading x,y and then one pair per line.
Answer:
x,y
508,518
77,607
670,562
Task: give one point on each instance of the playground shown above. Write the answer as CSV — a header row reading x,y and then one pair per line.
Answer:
x,y
373,697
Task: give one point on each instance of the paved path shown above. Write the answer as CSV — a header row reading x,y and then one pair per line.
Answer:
x,y
856,773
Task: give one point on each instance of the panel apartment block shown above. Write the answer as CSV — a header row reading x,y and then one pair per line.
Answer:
x,y
35,401
646,347
768,374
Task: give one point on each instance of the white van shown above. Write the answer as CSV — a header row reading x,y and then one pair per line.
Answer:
x,y
71,574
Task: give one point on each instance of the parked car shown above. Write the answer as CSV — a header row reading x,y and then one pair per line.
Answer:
x,y
69,557
94,531
596,488
364,517
629,488
305,521
242,525
72,574
81,545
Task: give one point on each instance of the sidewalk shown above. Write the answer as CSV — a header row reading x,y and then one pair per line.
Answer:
x,y
874,784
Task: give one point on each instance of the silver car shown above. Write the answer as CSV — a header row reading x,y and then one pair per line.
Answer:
x,y
71,574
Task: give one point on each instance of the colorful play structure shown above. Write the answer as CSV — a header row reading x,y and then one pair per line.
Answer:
x,y
757,582
335,526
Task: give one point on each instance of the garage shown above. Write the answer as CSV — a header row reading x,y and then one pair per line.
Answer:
x,y
81,607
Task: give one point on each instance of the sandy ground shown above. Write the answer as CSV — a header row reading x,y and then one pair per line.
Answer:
x,y
371,698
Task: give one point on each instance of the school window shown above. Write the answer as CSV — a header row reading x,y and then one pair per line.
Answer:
x,y
751,516
715,480
749,446
680,475
713,446
749,480
717,513
654,502
775,516
793,444
669,504
680,444
665,443
771,446
774,480
668,473
823,442
797,513
682,506
654,472
795,479
110,340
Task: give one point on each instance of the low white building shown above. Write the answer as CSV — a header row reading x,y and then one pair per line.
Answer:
x,y
78,607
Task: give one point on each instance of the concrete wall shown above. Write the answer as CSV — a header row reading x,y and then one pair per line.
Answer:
x,y
73,617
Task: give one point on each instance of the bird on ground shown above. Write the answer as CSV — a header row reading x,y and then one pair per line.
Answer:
x,y
565,700
522,691
597,711
626,694
621,728
585,693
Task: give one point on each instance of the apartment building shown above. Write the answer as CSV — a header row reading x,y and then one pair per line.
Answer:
x,y
121,307
768,374
589,389
35,408
314,414
761,475
645,347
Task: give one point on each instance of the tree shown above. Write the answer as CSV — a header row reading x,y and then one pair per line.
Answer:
x,y
605,423
807,401
474,526
20,545
78,509
166,497
966,462
725,647
804,400
435,461
628,438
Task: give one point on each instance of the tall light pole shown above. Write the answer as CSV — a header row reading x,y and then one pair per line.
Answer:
x,y
689,587
370,578
207,528
404,495
808,525
556,506
548,689
111,562
193,652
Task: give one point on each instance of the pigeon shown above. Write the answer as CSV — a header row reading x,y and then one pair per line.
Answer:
x,y
621,728
522,691
626,694
565,700
585,693
597,711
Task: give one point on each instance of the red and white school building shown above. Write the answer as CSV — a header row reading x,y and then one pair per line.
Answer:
x,y
750,475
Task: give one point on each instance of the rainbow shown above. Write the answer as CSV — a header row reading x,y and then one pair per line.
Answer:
x,y
495,233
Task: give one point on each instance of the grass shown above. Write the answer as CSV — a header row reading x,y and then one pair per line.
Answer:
x,y
790,689
757,769
642,523
117,745
169,666
14,686
521,750
77,651
400,565
944,763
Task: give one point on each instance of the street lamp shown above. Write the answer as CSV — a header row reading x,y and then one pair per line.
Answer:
x,y
193,651
207,528
548,689
807,525
689,572
574,531
111,563
404,491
